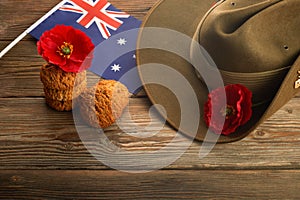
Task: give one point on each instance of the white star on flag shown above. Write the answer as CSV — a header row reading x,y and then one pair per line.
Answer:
x,y
134,56
116,68
121,41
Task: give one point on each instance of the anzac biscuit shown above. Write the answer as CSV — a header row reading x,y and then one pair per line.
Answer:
x,y
64,95
55,78
102,104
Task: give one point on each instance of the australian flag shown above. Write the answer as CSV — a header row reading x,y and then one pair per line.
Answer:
x,y
113,32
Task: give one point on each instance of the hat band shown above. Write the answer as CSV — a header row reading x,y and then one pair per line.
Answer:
x,y
263,85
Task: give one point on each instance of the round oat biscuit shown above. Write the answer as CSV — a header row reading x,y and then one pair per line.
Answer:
x,y
55,78
64,95
102,104
59,105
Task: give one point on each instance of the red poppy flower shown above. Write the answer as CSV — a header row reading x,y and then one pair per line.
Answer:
x,y
236,113
67,48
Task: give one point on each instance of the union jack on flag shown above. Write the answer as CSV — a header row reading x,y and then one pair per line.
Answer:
x,y
96,12
108,29
97,18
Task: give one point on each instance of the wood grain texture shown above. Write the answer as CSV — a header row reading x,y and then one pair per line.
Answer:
x,y
177,184
34,136
43,157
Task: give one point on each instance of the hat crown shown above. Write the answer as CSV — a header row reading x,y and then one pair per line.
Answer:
x,y
252,36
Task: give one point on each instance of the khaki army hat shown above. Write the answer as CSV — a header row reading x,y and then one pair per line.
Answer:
x,y
252,43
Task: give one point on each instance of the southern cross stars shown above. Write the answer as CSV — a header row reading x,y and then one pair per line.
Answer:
x,y
116,68
121,41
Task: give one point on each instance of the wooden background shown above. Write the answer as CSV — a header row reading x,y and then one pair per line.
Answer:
x,y
42,156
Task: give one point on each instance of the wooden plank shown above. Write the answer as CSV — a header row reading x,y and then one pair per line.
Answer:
x,y
33,136
43,157
207,184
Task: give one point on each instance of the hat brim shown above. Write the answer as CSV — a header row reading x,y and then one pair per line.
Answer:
x,y
184,17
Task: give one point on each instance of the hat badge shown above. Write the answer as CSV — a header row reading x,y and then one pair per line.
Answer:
x,y
297,83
